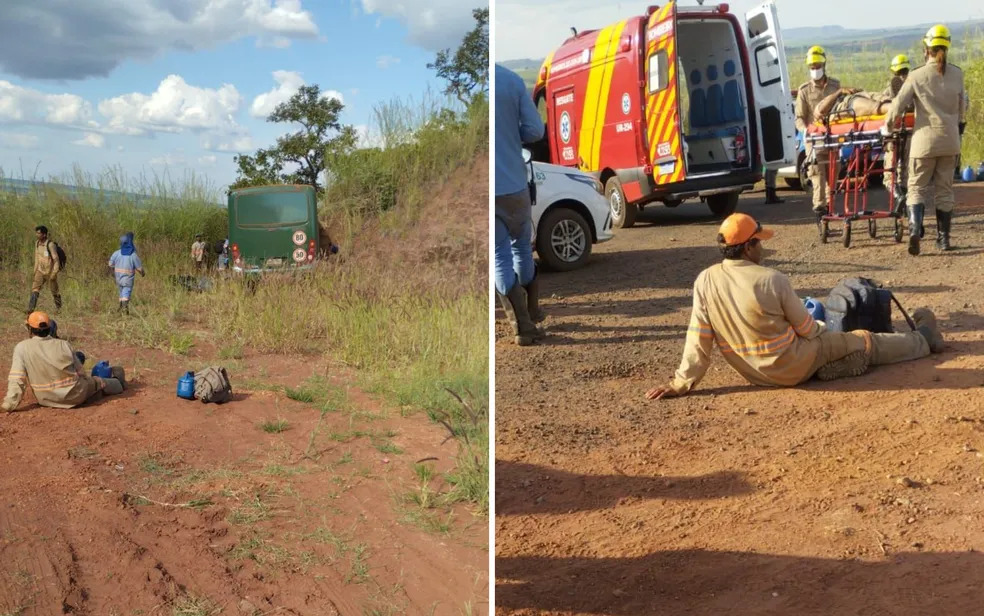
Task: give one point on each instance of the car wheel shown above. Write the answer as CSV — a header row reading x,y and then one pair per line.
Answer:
x,y
563,240
723,204
804,176
794,183
623,214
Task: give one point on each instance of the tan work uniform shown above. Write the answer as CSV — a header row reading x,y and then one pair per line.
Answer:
x,y
890,92
807,99
46,266
765,333
53,371
935,144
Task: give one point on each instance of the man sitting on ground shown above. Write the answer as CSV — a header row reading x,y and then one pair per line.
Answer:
x,y
54,371
764,331
854,103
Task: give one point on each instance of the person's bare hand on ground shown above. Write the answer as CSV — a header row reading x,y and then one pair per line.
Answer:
x,y
658,393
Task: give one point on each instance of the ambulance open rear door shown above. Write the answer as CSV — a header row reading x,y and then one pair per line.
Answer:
x,y
770,87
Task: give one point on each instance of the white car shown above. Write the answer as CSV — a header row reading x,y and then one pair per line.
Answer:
x,y
570,214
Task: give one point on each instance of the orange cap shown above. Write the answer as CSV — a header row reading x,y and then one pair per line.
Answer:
x,y
739,228
38,320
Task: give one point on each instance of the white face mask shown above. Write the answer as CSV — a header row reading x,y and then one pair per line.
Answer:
x,y
816,74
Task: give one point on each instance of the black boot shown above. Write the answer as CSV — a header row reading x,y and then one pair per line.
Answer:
x,y
533,298
943,230
771,197
58,303
515,305
32,303
916,211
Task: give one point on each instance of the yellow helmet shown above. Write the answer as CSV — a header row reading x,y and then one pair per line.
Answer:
x,y
816,55
900,62
937,36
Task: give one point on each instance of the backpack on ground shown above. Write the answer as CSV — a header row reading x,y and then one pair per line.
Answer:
x,y
861,303
212,385
61,254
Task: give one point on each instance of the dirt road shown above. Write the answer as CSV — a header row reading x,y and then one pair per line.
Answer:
x,y
861,496
147,504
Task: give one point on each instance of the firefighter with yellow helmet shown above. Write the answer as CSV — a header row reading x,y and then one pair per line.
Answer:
x,y
937,91
900,71
819,87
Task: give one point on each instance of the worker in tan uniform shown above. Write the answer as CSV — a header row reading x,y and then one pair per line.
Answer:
x,y
53,371
763,330
46,268
819,87
937,91
900,72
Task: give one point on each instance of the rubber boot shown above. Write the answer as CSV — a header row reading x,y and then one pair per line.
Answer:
x,y
516,308
916,211
943,230
899,201
771,197
58,303
119,374
533,298
32,303
926,325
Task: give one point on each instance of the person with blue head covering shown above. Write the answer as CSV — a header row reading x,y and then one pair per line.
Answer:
x,y
126,264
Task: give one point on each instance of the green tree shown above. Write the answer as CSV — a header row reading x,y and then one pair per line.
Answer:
x,y
299,157
467,69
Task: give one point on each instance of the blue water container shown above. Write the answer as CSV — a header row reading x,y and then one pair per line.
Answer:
x,y
968,174
980,172
186,386
102,370
815,308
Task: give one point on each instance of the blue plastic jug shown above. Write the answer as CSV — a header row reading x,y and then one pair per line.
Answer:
x,y
815,308
102,370
968,174
186,386
980,172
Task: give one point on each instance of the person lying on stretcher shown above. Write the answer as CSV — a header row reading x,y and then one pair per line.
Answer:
x,y
854,103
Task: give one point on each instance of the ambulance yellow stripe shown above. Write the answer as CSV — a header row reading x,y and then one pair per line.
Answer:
x,y
546,65
606,85
589,117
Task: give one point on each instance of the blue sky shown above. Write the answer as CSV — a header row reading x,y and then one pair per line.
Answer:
x,y
182,85
525,29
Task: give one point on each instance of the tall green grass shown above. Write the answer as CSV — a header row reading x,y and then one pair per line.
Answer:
x,y
413,333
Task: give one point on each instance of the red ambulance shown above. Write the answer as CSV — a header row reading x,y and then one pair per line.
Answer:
x,y
680,102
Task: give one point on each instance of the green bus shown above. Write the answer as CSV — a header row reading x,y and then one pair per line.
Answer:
x,y
273,228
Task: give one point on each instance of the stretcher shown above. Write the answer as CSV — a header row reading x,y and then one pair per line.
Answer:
x,y
863,138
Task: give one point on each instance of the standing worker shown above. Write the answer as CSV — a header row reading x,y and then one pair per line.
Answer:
x,y
771,197
937,90
198,249
900,72
125,264
808,98
47,264
516,122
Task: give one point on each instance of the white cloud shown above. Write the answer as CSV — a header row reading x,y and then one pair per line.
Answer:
x,y
69,39
174,107
384,62
168,160
120,148
432,24
367,138
288,83
354,91
92,140
28,106
19,141
225,143
208,160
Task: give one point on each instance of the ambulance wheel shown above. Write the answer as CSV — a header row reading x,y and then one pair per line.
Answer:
x,y
824,232
623,214
847,235
872,228
723,205
898,231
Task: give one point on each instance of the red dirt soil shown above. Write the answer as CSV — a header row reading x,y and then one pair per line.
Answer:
x,y
859,496
95,502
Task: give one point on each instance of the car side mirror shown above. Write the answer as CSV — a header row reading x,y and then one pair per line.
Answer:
x,y
527,155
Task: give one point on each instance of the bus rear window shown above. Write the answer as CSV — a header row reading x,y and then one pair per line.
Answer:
x,y
274,209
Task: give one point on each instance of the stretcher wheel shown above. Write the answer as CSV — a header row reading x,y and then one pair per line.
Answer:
x,y
824,231
872,228
847,235
898,231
